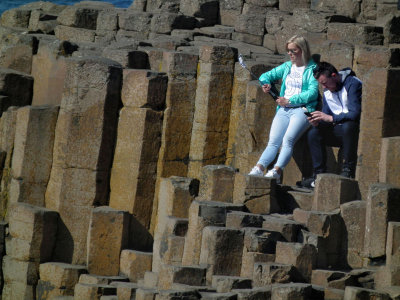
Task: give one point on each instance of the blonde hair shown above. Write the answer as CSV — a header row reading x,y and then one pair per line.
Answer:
x,y
301,42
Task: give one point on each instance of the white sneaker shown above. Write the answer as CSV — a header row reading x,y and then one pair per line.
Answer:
x,y
256,171
273,174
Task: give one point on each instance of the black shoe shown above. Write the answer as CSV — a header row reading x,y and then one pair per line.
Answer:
x,y
307,182
347,172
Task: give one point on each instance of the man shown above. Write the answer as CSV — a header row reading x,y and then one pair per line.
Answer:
x,y
338,123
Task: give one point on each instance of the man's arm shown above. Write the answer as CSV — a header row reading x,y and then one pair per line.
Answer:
x,y
324,115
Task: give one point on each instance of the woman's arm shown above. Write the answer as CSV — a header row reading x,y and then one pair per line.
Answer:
x,y
273,75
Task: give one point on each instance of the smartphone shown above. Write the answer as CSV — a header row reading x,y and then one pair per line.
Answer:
x,y
308,114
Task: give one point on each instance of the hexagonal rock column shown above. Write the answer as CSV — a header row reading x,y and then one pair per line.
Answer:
x,y
221,250
300,291
175,197
257,193
393,244
83,147
390,160
333,190
33,153
213,102
7,133
353,214
379,72
302,256
202,214
181,69
58,279
133,174
173,159
32,239
108,235
229,11
134,264
189,275
383,206
326,232
258,247
354,293
49,70
32,232
217,183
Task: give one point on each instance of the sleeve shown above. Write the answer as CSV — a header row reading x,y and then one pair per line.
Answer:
x,y
325,107
273,75
354,93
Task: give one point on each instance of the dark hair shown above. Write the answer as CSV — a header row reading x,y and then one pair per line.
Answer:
x,y
324,68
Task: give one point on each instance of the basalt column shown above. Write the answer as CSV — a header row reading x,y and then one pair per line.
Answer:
x,y
378,69
33,153
213,102
84,141
134,169
173,159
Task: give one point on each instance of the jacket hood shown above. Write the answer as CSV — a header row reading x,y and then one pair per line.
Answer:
x,y
345,73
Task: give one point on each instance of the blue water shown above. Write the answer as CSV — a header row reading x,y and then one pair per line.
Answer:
x,y
7,4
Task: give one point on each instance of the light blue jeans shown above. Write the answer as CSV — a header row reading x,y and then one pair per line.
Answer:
x,y
287,127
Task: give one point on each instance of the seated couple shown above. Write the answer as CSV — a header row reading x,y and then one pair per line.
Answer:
x,y
337,124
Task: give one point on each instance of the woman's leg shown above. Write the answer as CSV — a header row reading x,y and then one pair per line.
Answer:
x,y
278,129
298,124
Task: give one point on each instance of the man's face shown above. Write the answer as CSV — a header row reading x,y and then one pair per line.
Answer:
x,y
329,83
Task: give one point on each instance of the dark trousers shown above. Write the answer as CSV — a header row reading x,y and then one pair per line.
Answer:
x,y
344,135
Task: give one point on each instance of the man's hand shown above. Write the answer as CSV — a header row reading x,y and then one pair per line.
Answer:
x,y
318,116
282,101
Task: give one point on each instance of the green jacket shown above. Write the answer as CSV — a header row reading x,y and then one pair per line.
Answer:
x,y
309,90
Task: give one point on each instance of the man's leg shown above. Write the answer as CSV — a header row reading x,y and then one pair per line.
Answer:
x,y
349,135
317,137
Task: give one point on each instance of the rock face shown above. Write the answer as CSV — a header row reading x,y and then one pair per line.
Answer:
x,y
126,137
83,146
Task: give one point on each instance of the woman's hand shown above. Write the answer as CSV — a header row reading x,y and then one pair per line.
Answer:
x,y
282,101
266,87
318,116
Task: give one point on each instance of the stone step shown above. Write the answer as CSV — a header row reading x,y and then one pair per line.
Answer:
x,y
218,296
292,197
146,293
125,290
288,228
269,273
238,219
134,264
225,284
150,279
217,31
353,293
173,294
84,291
333,279
189,275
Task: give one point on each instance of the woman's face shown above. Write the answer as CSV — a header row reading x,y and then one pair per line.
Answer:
x,y
295,53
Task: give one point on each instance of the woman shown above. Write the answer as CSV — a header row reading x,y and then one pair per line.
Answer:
x,y
299,93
